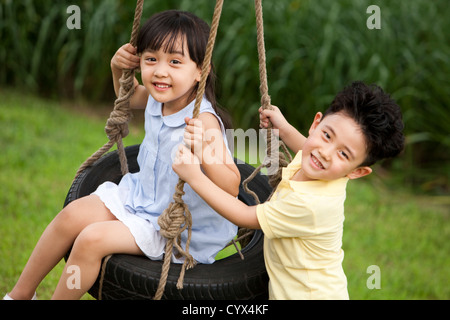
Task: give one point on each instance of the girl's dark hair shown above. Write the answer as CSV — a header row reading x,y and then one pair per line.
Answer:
x,y
163,30
379,117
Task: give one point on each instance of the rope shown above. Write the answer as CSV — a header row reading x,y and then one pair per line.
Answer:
x,y
102,277
117,125
264,88
177,217
272,150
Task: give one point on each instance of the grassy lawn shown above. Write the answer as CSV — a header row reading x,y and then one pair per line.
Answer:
x,y
43,143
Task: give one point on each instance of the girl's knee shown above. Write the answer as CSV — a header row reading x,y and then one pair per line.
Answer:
x,y
82,212
89,243
66,221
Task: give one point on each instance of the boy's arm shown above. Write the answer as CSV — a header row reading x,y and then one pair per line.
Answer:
x,y
293,139
186,165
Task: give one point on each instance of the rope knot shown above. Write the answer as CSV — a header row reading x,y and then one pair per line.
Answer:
x,y
172,221
117,124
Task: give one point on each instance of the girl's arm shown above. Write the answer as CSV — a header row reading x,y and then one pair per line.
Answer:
x,y
293,139
204,137
126,58
186,165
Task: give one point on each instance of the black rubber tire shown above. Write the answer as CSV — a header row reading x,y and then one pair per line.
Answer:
x,y
136,277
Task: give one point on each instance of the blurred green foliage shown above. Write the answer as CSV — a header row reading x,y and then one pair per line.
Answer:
x,y
314,48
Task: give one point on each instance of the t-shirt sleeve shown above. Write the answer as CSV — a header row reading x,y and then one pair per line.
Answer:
x,y
286,218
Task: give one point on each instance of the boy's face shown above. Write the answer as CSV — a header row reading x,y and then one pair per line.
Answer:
x,y
334,149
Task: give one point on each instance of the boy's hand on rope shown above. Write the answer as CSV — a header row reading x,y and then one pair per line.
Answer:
x,y
125,58
274,116
292,138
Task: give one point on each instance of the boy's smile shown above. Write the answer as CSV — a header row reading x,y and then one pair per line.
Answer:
x,y
316,162
334,149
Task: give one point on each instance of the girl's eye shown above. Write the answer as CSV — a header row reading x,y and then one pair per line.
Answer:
x,y
344,154
326,135
175,62
150,59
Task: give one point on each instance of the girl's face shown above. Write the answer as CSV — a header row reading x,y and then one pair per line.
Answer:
x,y
170,77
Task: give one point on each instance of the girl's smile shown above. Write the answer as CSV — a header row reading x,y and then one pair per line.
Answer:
x,y
161,86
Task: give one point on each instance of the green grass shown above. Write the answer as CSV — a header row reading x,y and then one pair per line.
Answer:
x,y
405,234
43,143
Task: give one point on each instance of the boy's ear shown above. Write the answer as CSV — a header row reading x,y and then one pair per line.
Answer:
x,y
317,119
359,172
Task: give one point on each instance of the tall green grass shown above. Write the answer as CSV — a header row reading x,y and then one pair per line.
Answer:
x,y
44,142
314,48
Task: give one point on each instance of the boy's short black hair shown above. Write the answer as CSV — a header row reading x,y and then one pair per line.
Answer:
x,y
378,115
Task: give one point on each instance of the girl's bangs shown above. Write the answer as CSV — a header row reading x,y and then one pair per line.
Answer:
x,y
169,42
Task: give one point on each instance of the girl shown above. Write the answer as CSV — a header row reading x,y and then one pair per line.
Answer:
x,y
123,218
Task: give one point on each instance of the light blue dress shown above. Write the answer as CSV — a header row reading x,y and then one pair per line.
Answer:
x,y
141,197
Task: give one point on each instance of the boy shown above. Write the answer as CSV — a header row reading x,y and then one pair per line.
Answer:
x,y
303,221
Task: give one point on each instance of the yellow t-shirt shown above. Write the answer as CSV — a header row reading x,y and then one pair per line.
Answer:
x,y
303,225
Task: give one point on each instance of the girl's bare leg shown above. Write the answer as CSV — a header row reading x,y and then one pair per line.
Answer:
x,y
94,243
57,240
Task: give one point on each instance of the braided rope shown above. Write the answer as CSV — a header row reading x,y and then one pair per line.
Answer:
x,y
272,150
177,217
117,125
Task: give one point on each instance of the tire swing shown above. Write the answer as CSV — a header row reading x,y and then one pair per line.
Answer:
x,y
137,277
